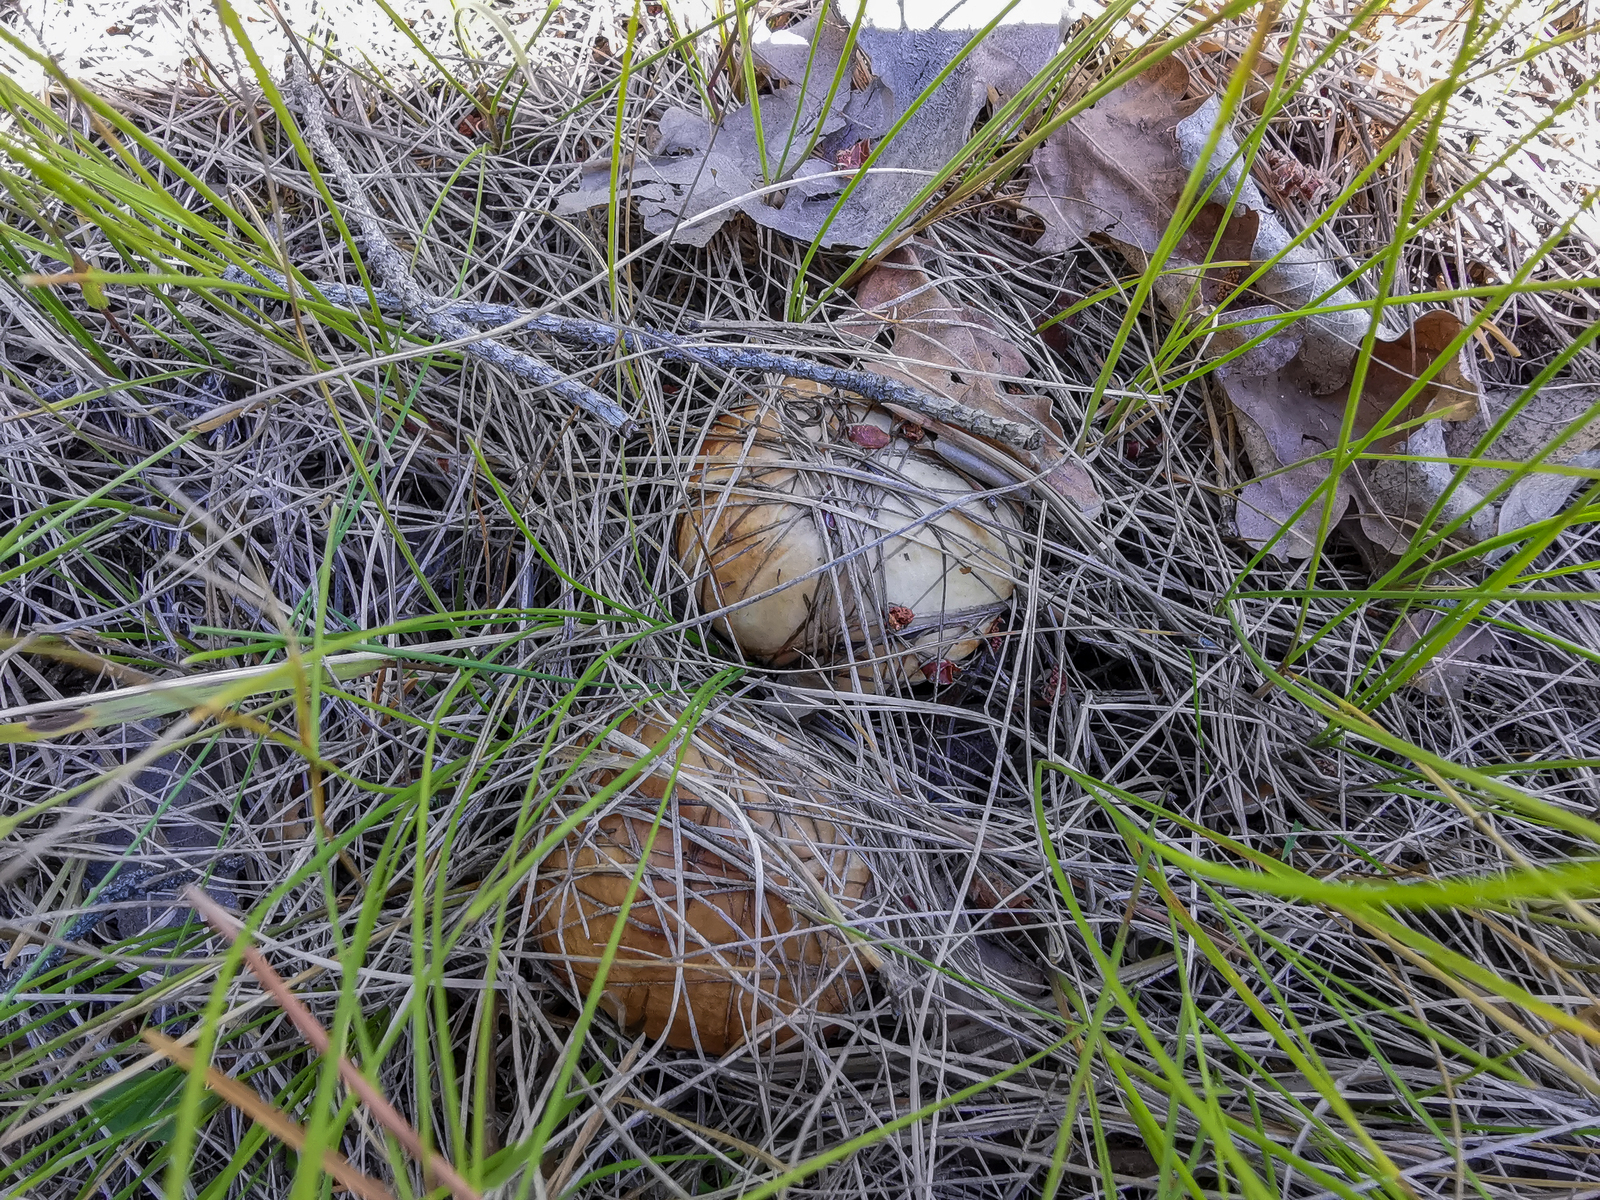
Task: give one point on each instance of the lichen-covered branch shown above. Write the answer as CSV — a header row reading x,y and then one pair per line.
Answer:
x,y
407,296
867,384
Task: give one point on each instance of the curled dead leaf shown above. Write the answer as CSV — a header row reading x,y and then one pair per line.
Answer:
x,y
814,136
1118,171
954,350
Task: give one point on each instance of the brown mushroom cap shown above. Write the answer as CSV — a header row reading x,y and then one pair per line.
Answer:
x,y
707,956
775,500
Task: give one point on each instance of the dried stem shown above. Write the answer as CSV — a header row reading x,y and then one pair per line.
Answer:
x,y
583,331
409,297
387,1115
268,1116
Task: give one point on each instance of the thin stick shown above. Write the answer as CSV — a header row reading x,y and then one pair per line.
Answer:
x,y
705,1131
271,1118
583,331
408,295
387,1115
557,1183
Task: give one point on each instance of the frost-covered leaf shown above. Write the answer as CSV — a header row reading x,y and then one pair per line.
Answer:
x,y
699,173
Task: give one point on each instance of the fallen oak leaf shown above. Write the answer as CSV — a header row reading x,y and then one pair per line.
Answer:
x,y
1267,505
1114,167
955,351
1285,424
1202,284
853,158
1557,428
1396,495
1118,171
816,135
1540,496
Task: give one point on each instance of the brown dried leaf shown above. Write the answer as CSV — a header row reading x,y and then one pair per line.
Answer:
x,y
1115,167
1118,170
696,166
1553,426
1293,424
1299,423
1267,504
956,351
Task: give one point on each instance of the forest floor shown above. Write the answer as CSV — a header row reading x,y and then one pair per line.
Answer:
x,y
1241,840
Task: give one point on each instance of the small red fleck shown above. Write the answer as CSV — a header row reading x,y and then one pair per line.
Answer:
x,y
941,671
868,436
1055,328
1134,449
853,158
1055,684
899,617
910,430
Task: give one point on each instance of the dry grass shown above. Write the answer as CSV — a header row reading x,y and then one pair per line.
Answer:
x,y
1172,1023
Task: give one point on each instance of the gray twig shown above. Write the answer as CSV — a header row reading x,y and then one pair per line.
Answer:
x,y
407,296
867,384
131,883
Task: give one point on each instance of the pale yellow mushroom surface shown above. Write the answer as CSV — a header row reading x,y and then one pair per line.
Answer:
x,y
824,540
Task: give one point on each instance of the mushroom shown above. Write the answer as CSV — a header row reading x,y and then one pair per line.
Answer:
x,y
729,932
834,542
